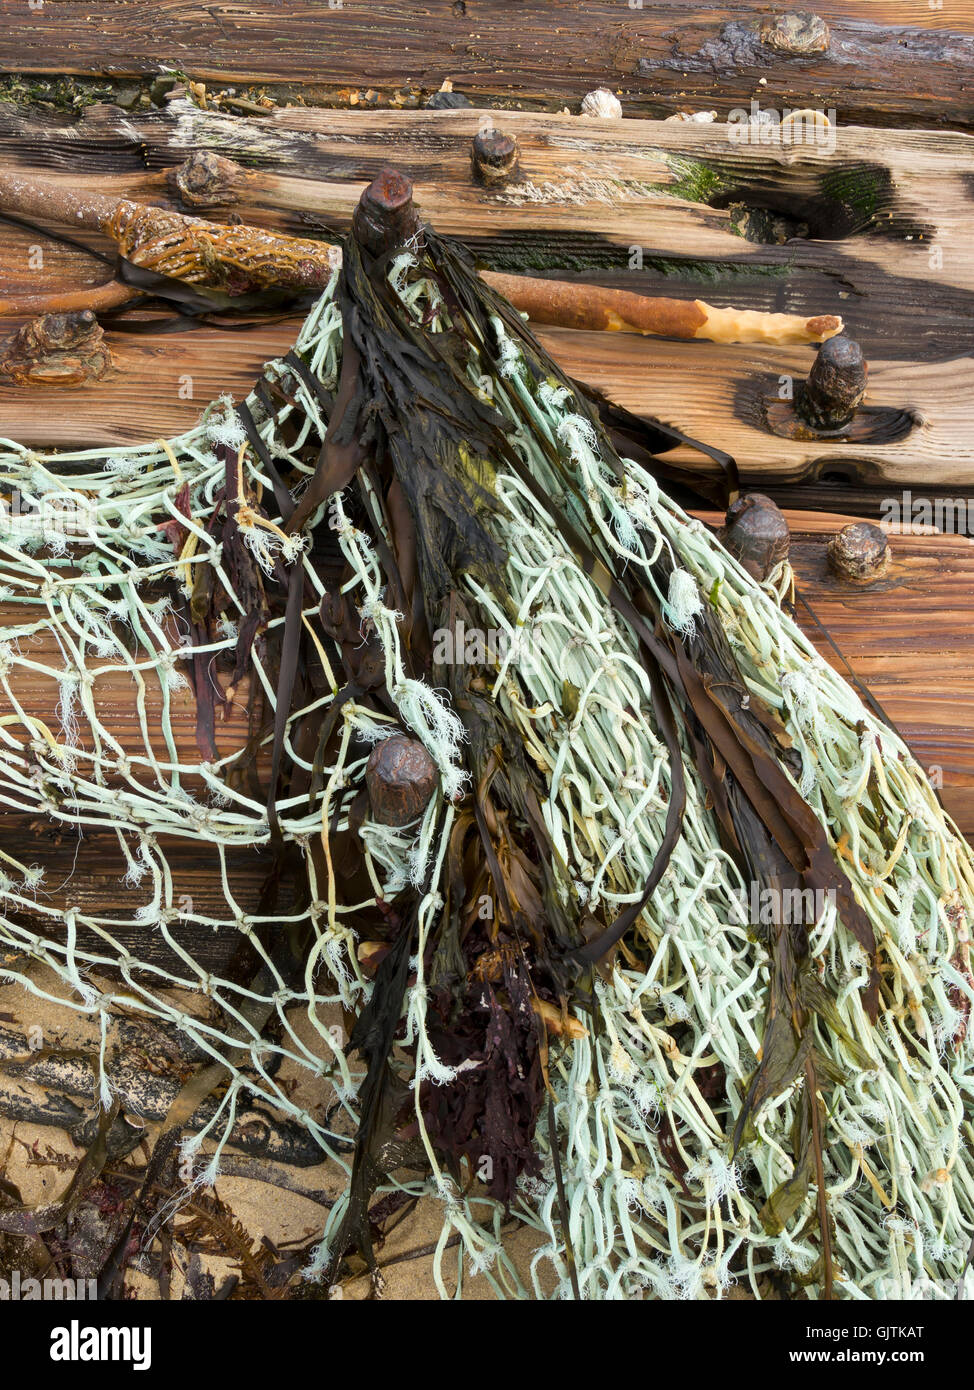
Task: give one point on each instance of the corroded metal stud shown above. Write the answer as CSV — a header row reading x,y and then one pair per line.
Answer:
x,y
385,216
859,553
756,533
493,156
836,384
401,778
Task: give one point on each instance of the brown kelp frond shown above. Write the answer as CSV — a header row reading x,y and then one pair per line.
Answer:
x,y
411,404
374,1035
476,306
742,753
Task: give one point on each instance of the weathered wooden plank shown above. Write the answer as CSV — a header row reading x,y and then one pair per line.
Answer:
x,y
88,873
158,386
906,638
889,62
714,392
849,186
114,694
868,210
895,260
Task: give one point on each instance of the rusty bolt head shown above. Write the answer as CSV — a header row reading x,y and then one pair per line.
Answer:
x,y
756,533
859,553
493,156
206,180
385,217
836,384
799,34
401,778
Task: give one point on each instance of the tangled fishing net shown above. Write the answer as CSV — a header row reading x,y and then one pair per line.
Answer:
x,y
583,1003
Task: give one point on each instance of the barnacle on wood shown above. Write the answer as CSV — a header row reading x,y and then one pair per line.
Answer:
x,y
57,350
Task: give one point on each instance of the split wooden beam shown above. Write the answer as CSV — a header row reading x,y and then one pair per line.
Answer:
x,y
883,245
891,62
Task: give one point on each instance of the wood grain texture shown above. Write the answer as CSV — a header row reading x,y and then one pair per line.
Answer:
x,y
891,255
114,694
890,61
696,387
87,872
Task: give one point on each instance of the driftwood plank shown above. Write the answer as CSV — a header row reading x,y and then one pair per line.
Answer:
x,y
160,384
88,873
888,61
592,199
114,694
157,388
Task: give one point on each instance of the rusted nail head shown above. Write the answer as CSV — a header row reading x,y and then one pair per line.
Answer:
x,y
493,155
206,179
860,552
401,778
836,384
385,216
756,533
841,354
389,193
493,146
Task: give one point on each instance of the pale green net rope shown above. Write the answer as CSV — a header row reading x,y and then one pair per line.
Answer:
x,y
898,1171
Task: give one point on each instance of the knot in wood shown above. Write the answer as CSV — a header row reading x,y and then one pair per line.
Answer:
x,y
57,350
206,180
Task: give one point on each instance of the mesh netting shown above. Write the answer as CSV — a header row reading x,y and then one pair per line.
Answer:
x,y
658,1202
